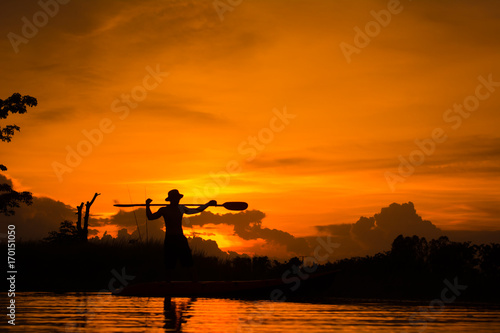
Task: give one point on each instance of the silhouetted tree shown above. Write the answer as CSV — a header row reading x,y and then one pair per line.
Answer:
x,y
260,265
448,257
13,104
79,210
241,268
67,233
295,261
9,198
84,232
410,251
489,258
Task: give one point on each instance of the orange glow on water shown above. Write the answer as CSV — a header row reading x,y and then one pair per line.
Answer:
x,y
103,313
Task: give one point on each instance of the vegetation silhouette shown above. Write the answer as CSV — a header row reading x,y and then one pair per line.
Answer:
x,y
10,199
414,268
67,234
70,233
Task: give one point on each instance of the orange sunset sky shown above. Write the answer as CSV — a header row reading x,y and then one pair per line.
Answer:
x,y
351,105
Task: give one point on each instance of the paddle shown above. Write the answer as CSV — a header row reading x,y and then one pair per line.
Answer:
x,y
234,205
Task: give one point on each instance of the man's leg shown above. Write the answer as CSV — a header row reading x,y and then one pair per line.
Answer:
x,y
168,275
194,273
169,257
186,258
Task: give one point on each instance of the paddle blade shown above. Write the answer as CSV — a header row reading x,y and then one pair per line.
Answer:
x,y
235,205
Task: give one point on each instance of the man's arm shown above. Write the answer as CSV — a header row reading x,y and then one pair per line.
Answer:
x,y
149,214
200,208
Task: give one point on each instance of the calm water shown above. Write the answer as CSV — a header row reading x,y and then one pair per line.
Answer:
x,y
44,312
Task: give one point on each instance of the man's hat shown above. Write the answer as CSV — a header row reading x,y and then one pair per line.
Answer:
x,y
174,195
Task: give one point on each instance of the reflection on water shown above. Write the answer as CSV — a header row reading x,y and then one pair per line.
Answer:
x,y
94,312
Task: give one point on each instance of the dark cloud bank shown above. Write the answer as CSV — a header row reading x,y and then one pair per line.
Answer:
x,y
367,236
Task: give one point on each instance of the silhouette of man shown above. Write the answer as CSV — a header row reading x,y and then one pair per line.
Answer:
x,y
176,246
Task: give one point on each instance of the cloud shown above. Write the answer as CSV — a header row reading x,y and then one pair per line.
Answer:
x,y
391,220
366,236
52,115
370,235
470,154
239,220
207,247
166,108
36,221
5,180
248,226
125,219
466,155
129,221
322,160
335,229
473,236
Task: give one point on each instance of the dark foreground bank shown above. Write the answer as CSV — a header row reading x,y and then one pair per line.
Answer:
x,y
413,269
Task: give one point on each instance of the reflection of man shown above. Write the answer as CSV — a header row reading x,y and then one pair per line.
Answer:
x,y
175,246
172,321
173,311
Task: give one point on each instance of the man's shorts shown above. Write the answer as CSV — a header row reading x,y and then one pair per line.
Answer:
x,y
176,248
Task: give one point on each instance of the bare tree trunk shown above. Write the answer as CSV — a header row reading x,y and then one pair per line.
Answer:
x,y
79,221
85,231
